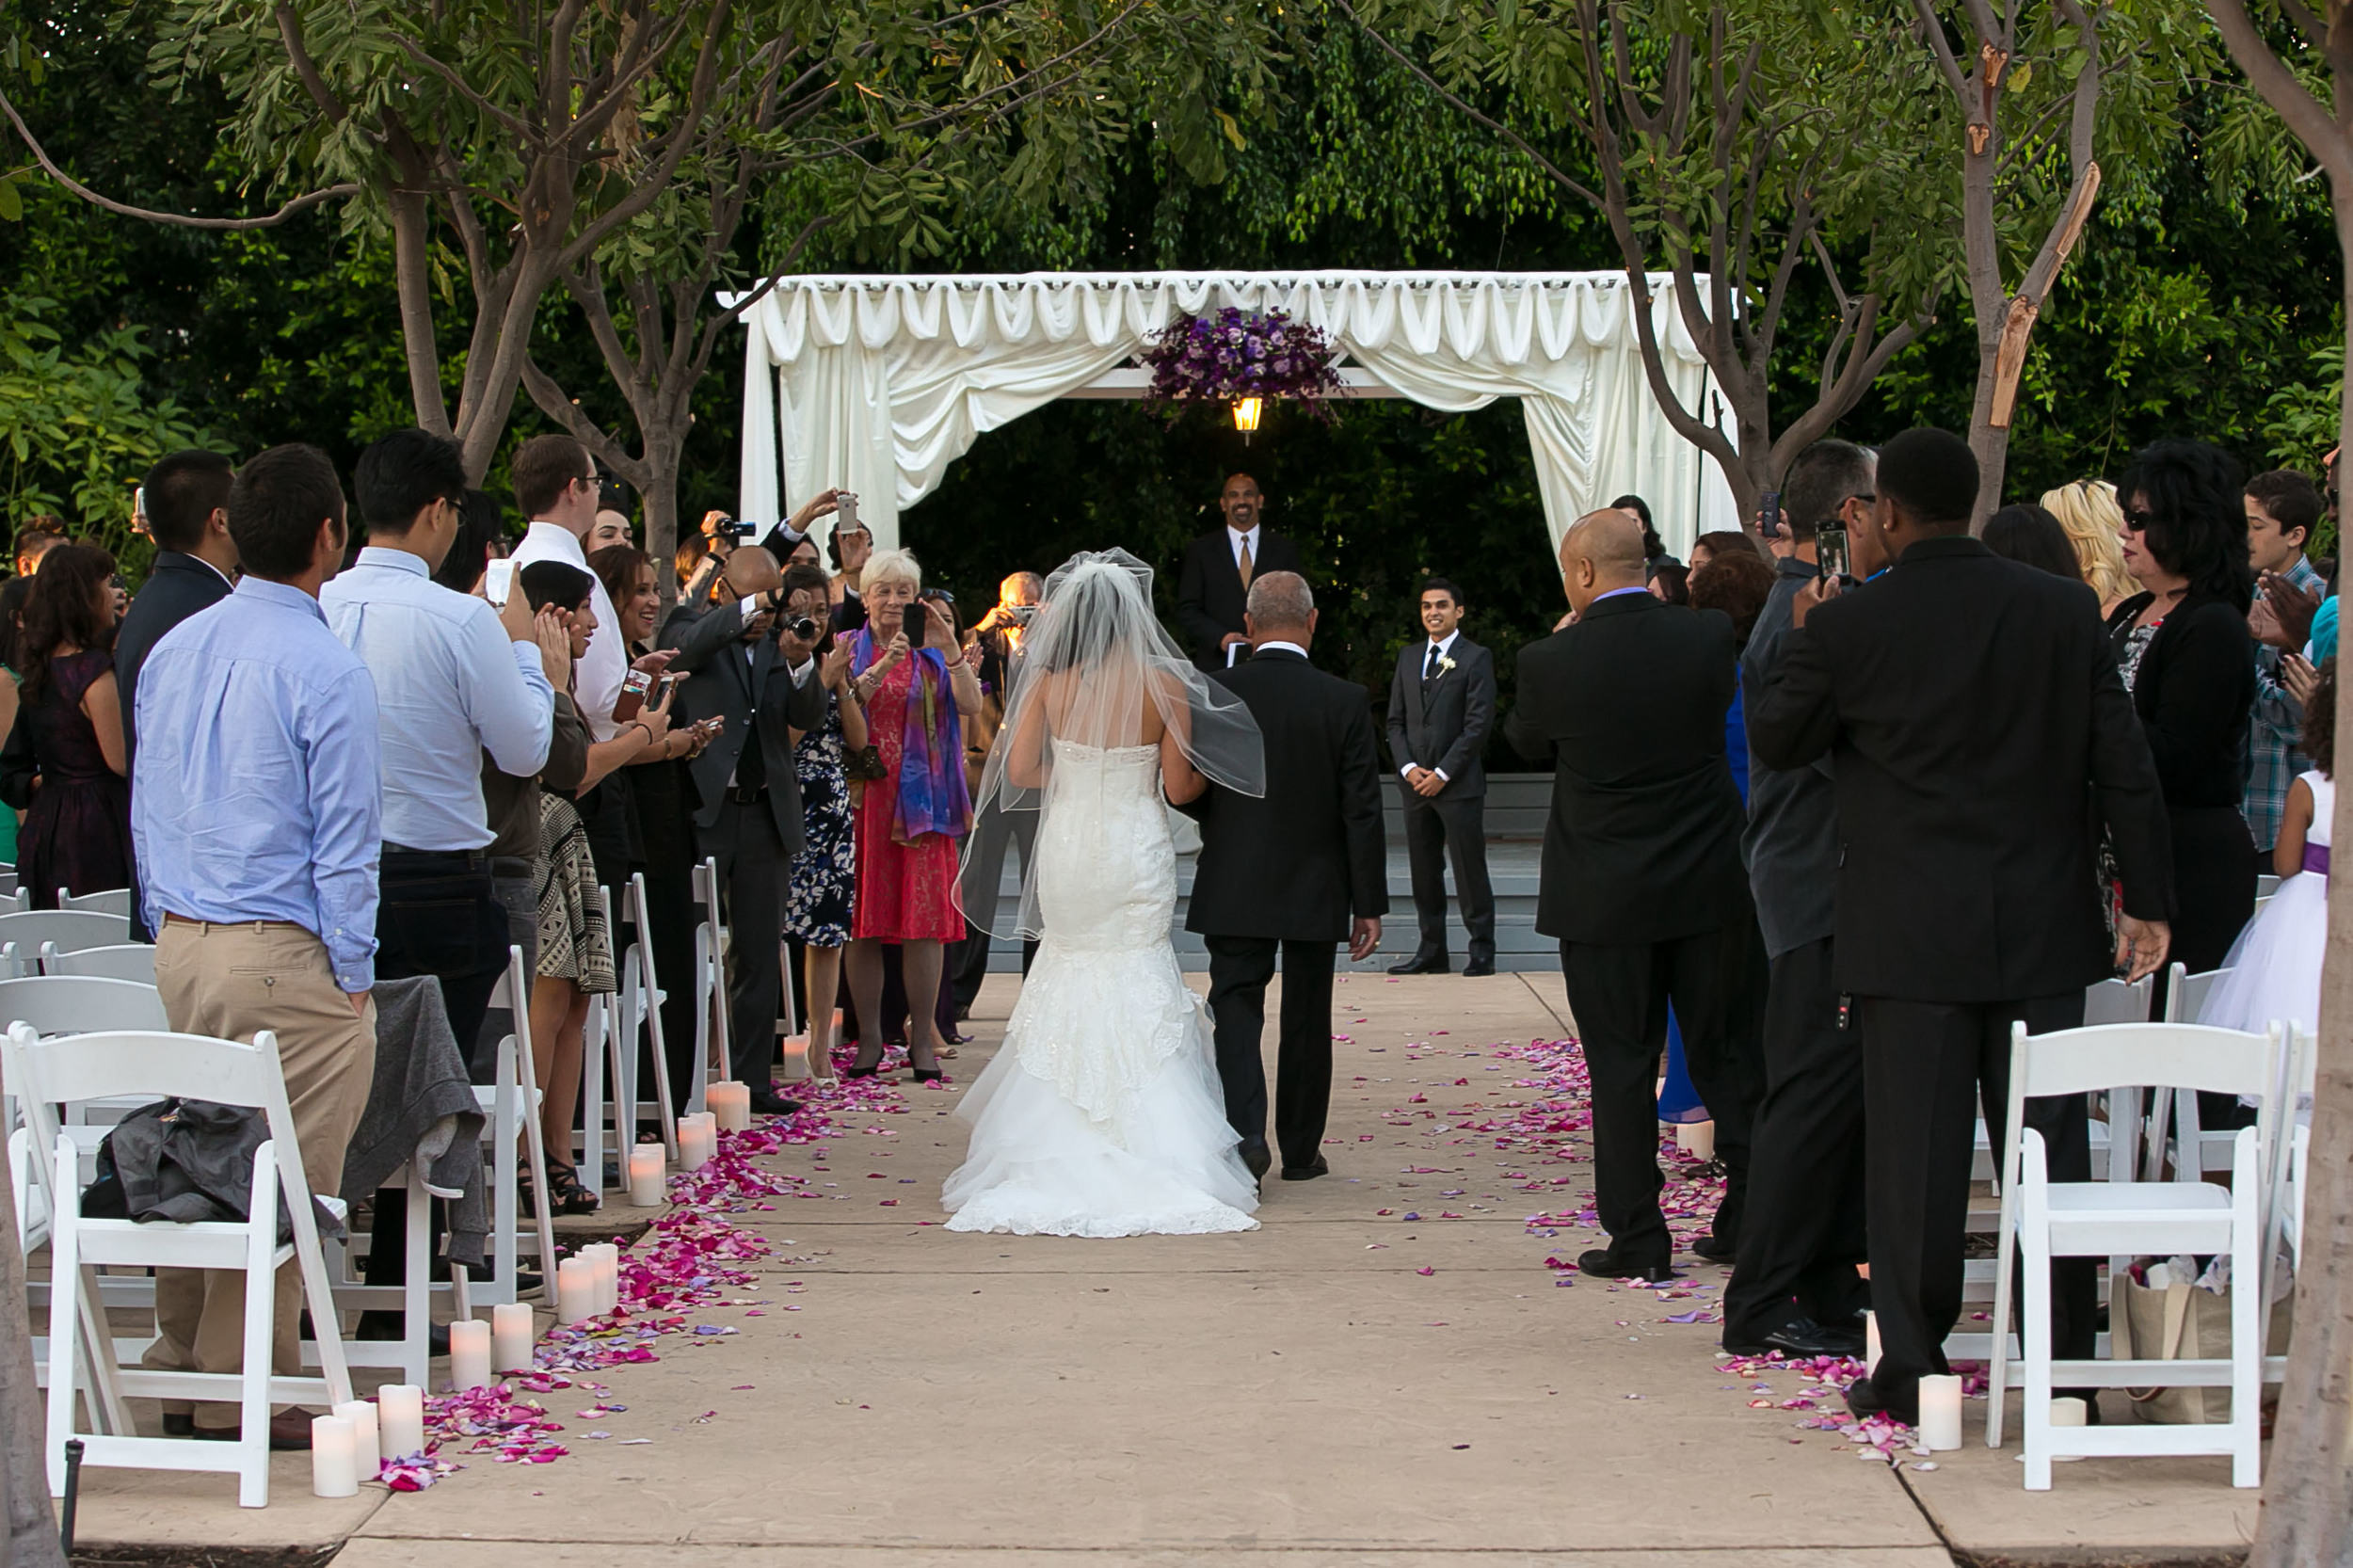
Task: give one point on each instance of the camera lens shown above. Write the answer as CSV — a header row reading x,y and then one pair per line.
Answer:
x,y
804,628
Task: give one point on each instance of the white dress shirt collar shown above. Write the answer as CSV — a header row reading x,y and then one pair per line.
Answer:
x,y
597,680
1283,647
1441,644
1236,537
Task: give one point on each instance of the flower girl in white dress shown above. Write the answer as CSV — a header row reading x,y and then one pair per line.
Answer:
x,y
2273,972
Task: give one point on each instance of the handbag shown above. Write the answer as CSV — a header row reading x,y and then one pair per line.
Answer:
x,y
2182,1322
866,763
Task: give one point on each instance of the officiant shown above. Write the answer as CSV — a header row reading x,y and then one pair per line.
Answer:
x,y
1214,584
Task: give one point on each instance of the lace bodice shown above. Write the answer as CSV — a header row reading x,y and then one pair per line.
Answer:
x,y
1106,870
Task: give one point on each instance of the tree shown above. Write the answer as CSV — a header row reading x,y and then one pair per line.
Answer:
x,y
878,130
1719,137
2018,127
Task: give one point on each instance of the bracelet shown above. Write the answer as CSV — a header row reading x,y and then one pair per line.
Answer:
x,y
636,724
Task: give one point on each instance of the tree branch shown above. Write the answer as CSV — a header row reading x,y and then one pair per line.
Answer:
x,y
184,220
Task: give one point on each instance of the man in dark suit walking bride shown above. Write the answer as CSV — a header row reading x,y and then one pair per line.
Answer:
x,y
1292,874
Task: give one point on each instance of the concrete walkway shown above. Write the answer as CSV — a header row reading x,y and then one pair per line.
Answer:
x,y
1385,1373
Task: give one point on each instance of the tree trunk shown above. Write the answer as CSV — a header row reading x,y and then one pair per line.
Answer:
x,y
31,1540
2306,1516
660,492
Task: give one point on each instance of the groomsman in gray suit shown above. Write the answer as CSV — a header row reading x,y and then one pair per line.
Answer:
x,y
1441,706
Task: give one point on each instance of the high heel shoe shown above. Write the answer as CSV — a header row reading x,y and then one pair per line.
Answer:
x,y
868,1070
929,1075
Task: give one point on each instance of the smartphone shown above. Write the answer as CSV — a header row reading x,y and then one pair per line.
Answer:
x,y
635,686
661,689
1829,549
845,513
1769,514
499,581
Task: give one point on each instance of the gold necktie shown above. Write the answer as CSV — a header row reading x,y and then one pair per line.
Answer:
x,y
1245,562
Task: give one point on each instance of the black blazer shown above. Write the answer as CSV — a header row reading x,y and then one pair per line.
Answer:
x,y
1443,724
1644,839
1298,863
722,683
1209,595
178,585
2194,690
1975,716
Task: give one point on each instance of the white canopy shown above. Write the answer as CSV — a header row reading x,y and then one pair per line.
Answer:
x,y
877,383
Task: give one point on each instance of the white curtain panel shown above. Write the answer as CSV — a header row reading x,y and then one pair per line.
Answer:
x,y
876,383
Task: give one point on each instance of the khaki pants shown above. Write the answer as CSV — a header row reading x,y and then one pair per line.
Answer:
x,y
230,982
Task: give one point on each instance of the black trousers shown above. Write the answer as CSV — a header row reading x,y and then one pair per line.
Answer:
x,y
1927,1068
1803,1232
437,914
1616,992
1239,968
1437,831
752,871
992,831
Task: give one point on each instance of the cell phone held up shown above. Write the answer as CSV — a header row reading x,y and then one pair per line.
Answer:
x,y
1829,550
1769,515
633,698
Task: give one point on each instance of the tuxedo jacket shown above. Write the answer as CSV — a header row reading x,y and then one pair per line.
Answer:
x,y
1643,843
1209,595
1443,723
178,585
1975,718
727,677
1298,863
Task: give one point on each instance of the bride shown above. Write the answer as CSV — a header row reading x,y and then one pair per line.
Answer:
x,y
1102,1115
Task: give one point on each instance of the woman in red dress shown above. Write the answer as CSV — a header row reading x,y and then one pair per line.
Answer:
x,y
912,678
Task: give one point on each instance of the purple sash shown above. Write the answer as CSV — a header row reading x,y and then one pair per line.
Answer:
x,y
2316,858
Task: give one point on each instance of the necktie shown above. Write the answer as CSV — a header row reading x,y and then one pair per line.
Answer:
x,y
1244,562
1430,665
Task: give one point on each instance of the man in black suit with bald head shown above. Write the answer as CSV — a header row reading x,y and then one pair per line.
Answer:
x,y
1643,879
1213,586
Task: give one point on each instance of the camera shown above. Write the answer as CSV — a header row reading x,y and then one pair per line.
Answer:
x,y
1021,614
803,630
728,528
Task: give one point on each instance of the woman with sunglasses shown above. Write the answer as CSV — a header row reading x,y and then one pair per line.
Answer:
x,y
2187,658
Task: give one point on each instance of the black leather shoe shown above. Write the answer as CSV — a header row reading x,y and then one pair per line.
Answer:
x,y
1256,1158
769,1103
1308,1173
1607,1263
1715,1248
384,1327
1479,968
1799,1336
179,1426
1423,963
289,1431
1864,1401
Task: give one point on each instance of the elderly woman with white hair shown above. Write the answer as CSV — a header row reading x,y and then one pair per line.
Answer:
x,y
918,687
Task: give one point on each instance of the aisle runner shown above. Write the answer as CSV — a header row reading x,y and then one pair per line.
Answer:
x,y
1533,1122
685,1264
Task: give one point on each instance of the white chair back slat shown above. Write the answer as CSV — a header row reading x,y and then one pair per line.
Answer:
x,y
80,1004
121,961
68,930
113,901
2181,1056
2118,1002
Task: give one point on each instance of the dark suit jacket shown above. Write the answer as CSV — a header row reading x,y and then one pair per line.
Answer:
x,y
1298,863
1974,715
177,587
1209,595
1443,724
2195,691
1644,839
721,683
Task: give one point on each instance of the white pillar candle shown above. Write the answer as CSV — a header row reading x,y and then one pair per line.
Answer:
x,y
604,1272
1696,1139
367,1451
400,1418
1940,1411
1870,1343
511,1335
795,1057
730,1102
469,1353
2067,1413
645,1176
334,1461
698,1138
575,1290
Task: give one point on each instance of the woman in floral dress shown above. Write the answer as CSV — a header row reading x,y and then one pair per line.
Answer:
x,y
818,903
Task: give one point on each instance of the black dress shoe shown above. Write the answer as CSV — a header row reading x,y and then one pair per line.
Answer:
x,y
1799,1336
1423,963
1715,1248
1864,1401
179,1426
1308,1173
1479,968
1608,1263
385,1327
769,1103
1256,1158
289,1431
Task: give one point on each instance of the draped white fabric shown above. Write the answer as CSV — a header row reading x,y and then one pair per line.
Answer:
x,y
878,383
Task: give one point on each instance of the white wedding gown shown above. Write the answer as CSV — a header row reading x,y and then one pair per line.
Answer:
x,y
1102,1114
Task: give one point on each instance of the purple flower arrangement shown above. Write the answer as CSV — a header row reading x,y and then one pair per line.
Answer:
x,y
1234,354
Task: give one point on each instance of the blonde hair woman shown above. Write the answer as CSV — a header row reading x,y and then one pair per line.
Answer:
x,y
2088,509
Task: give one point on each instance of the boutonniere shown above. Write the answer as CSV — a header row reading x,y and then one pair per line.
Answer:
x,y
1446,662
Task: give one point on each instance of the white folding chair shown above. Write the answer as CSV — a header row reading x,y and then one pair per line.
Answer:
x,y
2195,1150
711,986
510,1108
638,1015
108,1066
114,901
122,961
2043,1219
68,930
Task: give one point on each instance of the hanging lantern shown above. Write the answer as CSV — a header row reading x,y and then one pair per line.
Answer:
x,y
1246,414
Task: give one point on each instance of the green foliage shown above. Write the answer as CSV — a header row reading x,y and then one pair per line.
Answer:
x,y
77,427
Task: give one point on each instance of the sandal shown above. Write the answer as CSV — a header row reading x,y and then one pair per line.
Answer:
x,y
566,1195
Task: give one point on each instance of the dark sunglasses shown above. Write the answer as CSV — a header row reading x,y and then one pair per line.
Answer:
x,y
2138,521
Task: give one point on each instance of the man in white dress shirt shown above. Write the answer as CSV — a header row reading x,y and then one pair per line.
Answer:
x,y
1442,704
1214,583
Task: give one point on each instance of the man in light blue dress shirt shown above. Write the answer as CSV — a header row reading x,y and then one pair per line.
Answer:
x,y
256,809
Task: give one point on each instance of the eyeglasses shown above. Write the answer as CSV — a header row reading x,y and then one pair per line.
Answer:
x,y
2138,521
